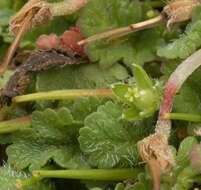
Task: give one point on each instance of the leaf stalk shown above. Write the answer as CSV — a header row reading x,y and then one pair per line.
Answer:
x,y
63,95
14,125
183,116
93,174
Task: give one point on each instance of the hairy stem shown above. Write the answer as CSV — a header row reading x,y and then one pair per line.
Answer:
x,y
63,95
14,125
183,116
177,78
93,174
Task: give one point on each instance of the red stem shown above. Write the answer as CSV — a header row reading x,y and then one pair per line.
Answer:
x,y
177,78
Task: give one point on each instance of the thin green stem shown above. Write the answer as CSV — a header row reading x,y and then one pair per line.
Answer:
x,y
63,95
183,116
93,174
14,125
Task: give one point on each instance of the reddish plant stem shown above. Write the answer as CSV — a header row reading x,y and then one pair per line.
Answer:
x,y
177,78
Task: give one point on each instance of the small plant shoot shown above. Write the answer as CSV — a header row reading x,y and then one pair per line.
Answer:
x,y
142,96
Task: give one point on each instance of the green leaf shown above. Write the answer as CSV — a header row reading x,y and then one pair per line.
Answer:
x,y
36,154
186,177
142,79
5,16
131,114
5,4
8,178
91,184
188,42
52,137
111,142
86,76
196,14
58,126
119,186
184,149
103,15
5,77
85,106
82,107
136,187
182,160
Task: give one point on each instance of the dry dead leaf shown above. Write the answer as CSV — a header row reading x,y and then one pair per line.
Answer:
x,y
156,146
39,12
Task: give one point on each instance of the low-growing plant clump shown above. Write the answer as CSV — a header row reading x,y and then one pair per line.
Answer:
x,y
100,95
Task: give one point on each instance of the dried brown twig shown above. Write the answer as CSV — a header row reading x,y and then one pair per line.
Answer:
x,y
33,14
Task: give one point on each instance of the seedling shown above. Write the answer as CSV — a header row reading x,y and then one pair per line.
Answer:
x,y
143,96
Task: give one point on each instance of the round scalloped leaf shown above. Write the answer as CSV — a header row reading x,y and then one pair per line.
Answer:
x,y
99,16
187,43
36,154
109,141
85,76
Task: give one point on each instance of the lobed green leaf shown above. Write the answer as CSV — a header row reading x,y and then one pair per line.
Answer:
x,y
103,15
188,42
111,142
36,154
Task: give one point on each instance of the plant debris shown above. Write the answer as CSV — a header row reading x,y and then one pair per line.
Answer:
x,y
37,62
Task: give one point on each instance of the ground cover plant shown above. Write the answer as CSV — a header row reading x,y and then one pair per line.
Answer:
x,y
100,95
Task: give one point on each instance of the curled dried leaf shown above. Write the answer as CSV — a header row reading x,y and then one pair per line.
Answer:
x,y
34,13
40,14
37,62
179,11
156,146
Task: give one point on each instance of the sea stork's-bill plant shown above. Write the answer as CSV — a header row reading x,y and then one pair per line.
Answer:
x,y
142,97
92,138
